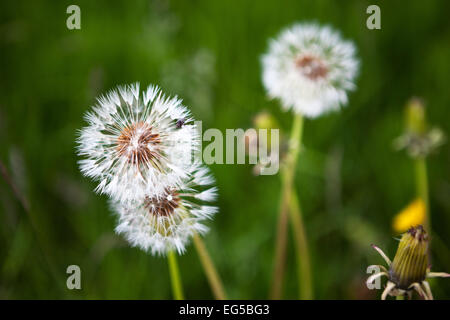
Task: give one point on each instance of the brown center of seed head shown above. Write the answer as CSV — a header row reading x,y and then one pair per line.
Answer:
x,y
164,205
139,143
312,67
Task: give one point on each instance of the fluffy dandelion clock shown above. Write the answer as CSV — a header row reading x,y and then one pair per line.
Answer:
x,y
310,69
137,144
166,222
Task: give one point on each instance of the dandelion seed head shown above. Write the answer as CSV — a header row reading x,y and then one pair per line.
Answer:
x,y
163,205
310,69
133,145
167,221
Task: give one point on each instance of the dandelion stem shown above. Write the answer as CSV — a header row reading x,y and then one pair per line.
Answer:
x,y
301,242
210,270
422,189
287,182
175,278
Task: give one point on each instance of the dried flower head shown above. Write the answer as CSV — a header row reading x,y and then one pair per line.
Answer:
x,y
410,269
310,68
418,139
134,144
167,221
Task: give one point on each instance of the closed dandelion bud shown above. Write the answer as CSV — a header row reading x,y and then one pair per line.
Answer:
x,y
264,120
411,260
259,140
409,270
415,116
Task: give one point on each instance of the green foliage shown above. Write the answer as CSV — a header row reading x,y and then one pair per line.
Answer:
x,y
351,181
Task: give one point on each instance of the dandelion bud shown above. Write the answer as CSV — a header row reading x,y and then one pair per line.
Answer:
x,y
264,120
409,270
415,116
411,260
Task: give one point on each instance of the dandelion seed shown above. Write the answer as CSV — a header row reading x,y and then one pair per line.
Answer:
x,y
167,221
310,69
410,269
133,144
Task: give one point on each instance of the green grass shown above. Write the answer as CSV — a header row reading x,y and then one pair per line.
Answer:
x,y
350,180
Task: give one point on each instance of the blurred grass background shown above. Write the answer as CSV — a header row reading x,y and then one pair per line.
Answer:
x,y
351,181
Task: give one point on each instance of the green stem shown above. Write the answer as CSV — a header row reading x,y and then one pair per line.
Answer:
x,y
303,260
288,178
210,271
422,189
175,278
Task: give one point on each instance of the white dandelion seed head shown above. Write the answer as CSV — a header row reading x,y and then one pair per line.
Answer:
x,y
310,69
137,144
167,221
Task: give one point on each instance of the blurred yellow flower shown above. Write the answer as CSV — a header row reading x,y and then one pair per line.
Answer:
x,y
412,215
